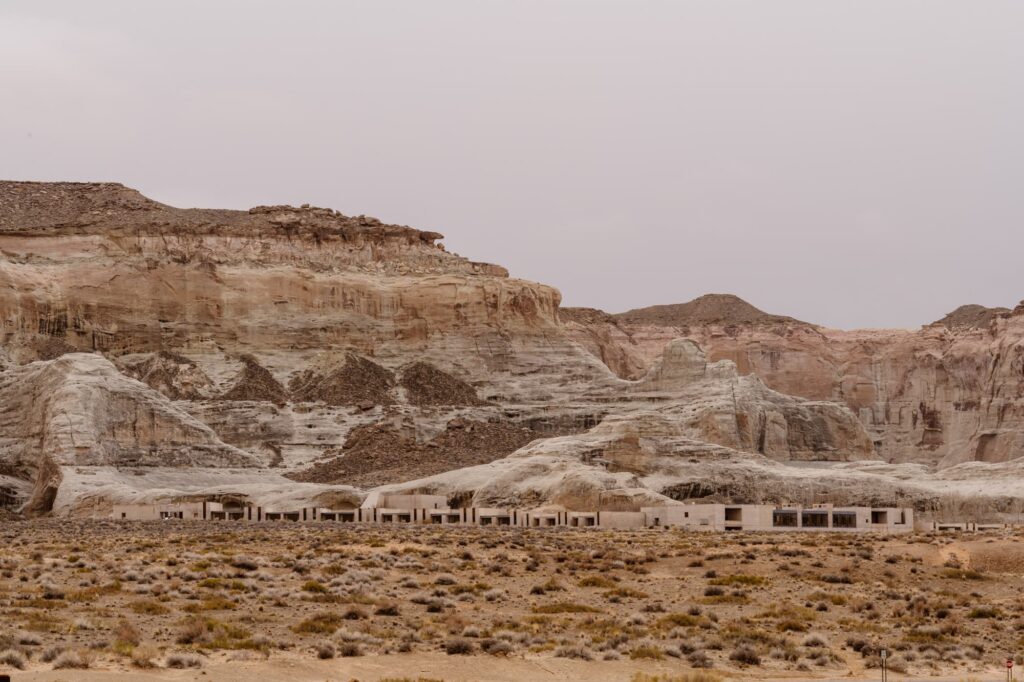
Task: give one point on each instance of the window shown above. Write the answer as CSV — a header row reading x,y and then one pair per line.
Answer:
x,y
844,519
814,519
784,519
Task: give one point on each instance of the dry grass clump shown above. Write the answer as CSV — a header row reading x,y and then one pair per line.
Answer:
x,y
80,659
183,661
458,646
13,659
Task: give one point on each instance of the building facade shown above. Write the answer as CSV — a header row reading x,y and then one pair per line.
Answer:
x,y
433,510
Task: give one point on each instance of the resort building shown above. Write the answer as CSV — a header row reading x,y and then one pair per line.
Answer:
x,y
766,517
434,510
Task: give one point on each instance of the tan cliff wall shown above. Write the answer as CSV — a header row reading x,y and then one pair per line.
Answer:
x,y
938,395
330,349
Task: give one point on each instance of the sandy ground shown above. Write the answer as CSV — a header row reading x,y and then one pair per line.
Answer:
x,y
437,667
264,601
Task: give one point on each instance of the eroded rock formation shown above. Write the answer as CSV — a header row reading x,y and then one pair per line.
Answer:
x,y
150,352
948,393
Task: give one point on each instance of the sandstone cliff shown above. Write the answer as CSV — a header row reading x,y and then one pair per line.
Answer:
x,y
285,354
948,393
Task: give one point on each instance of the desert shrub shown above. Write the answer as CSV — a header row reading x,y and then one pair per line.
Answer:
x,y
126,633
498,648
181,661
596,581
12,658
350,649
322,624
28,639
325,650
192,631
143,655
565,607
148,607
458,646
646,651
699,659
577,651
815,641
746,655
984,612
791,625
71,659
837,579
682,620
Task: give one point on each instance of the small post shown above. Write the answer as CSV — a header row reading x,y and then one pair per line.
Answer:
x,y
884,654
1009,669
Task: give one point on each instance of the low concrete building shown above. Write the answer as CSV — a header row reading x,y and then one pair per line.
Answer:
x,y
495,516
583,519
342,515
394,501
446,517
544,519
433,509
232,511
621,520
764,517
157,512
959,526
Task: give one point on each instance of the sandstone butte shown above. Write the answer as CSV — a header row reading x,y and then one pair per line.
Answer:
x,y
296,355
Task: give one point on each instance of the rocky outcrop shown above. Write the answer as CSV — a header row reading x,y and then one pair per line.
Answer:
x,y
971,317
255,382
352,381
251,348
426,385
717,309
381,453
79,410
945,394
172,374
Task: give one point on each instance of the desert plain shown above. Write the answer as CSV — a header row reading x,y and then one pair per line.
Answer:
x,y
107,600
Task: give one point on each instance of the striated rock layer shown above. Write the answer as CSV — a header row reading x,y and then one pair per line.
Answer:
x,y
948,393
283,354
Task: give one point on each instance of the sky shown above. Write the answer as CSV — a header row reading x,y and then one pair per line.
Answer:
x,y
851,163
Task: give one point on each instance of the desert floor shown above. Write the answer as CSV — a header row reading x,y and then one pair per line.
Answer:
x,y
220,601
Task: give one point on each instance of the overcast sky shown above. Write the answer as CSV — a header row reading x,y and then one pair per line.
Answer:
x,y
853,163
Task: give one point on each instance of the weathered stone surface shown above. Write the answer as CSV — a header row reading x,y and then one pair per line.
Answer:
x,y
948,393
266,341
172,374
79,410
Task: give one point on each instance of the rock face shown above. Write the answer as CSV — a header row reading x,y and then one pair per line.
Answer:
x,y
80,410
948,393
149,352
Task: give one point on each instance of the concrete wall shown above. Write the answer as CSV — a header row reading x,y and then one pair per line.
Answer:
x,y
156,512
698,517
621,520
392,501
